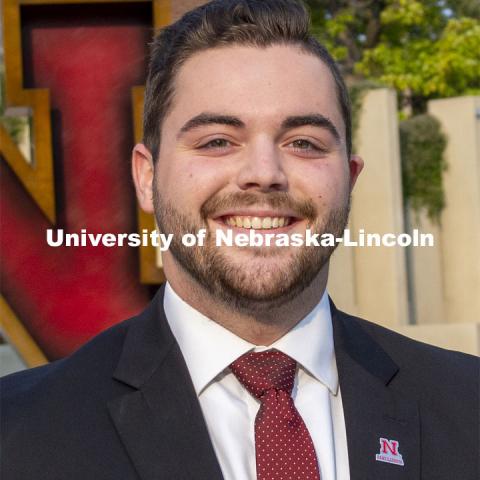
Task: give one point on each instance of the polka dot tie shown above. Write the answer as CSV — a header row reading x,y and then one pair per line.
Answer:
x,y
283,446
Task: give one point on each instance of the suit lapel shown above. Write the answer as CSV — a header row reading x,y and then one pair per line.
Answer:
x,y
160,421
372,407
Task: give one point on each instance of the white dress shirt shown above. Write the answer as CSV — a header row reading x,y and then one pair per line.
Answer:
x,y
228,408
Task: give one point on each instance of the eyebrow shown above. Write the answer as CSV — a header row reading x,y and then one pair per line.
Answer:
x,y
210,119
314,119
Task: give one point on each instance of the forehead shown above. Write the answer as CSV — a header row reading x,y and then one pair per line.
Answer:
x,y
255,84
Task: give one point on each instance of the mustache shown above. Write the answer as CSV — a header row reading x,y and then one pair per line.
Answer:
x,y
275,200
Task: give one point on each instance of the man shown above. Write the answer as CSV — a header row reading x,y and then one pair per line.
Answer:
x,y
240,367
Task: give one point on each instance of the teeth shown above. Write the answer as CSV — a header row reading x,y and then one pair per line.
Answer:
x,y
267,222
257,223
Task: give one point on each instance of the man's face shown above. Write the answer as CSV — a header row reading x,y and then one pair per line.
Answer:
x,y
254,139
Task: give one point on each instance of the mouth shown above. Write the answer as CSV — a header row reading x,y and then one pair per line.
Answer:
x,y
265,222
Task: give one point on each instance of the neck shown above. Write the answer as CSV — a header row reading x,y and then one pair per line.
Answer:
x,y
259,328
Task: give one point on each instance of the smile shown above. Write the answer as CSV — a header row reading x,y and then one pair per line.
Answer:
x,y
256,222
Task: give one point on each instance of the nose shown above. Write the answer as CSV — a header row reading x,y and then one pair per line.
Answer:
x,y
261,168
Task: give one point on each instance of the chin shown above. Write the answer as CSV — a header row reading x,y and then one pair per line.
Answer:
x,y
260,265
260,283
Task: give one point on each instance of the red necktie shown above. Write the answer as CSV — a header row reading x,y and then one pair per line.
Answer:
x,y
284,448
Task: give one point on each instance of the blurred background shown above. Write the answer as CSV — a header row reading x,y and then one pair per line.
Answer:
x,y
72,77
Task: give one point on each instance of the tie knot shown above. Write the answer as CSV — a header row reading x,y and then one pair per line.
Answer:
x,y
259,372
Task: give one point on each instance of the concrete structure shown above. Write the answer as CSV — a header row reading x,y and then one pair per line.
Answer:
x,y
460,223
442,283
463,337
426,275
378,289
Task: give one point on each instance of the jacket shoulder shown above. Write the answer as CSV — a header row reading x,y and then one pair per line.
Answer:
x,y
426,387
404,350
59,411
94,351
82,378
426,370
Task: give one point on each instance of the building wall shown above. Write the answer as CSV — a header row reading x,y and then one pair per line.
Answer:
x,y
431,294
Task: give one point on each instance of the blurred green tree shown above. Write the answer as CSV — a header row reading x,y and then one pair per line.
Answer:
x,y
424,49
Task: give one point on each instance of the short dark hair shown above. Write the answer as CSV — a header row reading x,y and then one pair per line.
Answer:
x,y
259,23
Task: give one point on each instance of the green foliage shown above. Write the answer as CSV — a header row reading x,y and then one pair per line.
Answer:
x,y
418,66
424,49
328,30
14,126
465,8
346,28
422,145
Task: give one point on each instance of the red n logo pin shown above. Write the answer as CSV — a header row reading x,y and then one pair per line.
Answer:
x,y
388,446
389,452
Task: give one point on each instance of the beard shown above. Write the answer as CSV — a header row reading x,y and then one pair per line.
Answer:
x,y
268,277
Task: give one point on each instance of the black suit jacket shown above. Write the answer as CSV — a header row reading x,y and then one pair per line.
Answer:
x,y
123,407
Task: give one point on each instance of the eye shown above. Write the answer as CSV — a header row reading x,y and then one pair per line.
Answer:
x,y
302,144
306,148
216,143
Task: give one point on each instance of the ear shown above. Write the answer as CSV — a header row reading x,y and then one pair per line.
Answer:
x,y
355,165
142,172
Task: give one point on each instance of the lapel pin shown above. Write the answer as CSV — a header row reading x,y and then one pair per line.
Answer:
x,y
389,452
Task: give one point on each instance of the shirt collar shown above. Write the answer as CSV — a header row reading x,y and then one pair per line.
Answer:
x,y
209,348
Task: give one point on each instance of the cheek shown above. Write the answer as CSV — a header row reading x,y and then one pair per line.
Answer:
x,y
191,182
326,182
